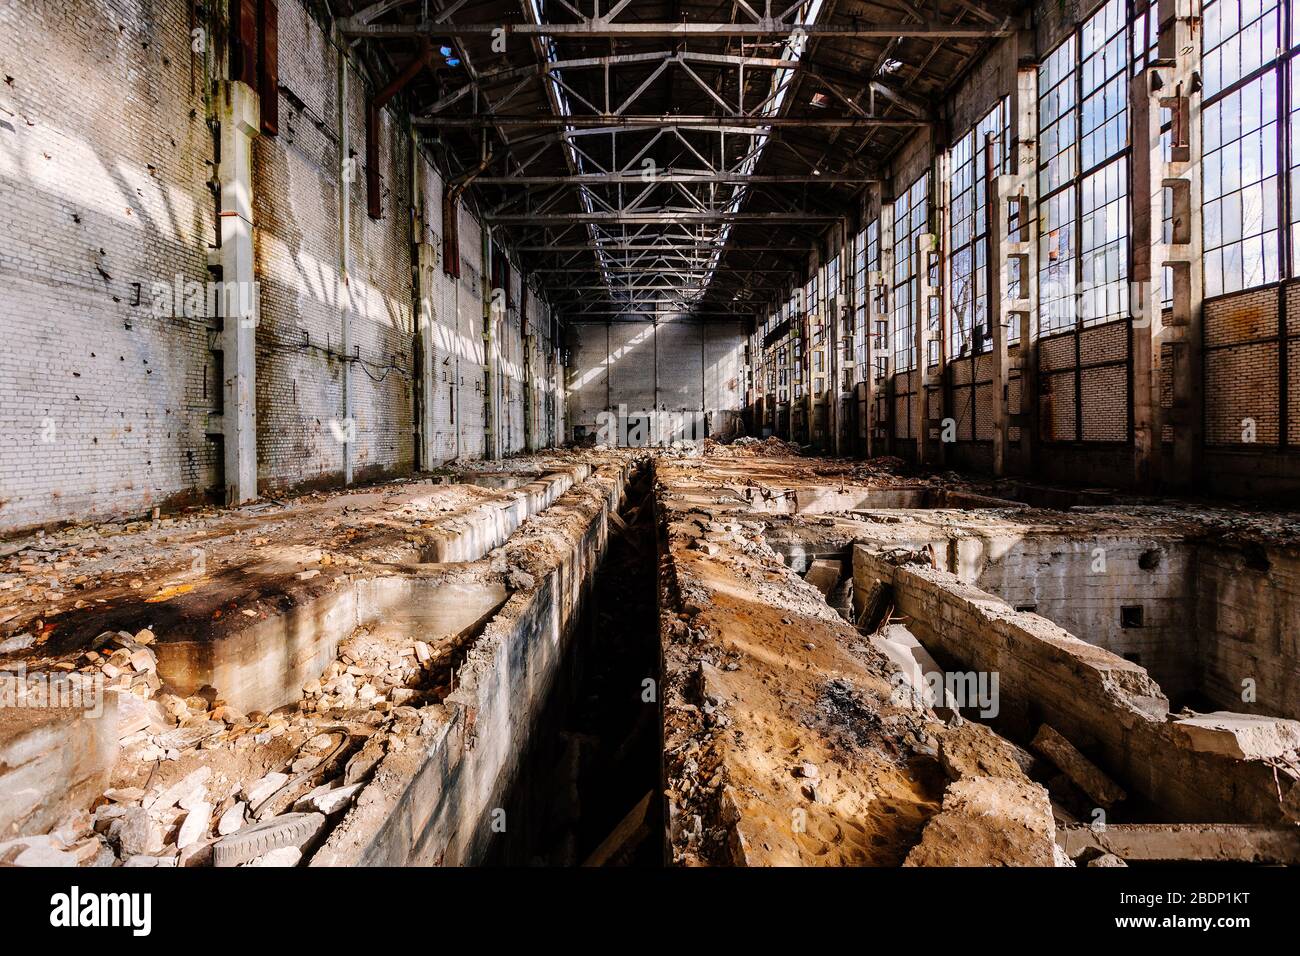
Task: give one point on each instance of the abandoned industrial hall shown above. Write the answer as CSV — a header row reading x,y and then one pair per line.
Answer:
x,y
650,435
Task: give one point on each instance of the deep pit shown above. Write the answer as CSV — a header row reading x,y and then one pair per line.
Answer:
x,y
586,792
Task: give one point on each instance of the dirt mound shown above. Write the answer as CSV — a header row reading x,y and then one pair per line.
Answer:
x,y
750,447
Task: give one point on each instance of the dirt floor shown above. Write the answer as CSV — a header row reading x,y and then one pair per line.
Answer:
x,y
782,744
783,741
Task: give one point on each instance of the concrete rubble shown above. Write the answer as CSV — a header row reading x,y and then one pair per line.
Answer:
x,y
188,780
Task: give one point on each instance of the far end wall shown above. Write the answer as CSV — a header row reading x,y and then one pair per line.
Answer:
x,y
676,366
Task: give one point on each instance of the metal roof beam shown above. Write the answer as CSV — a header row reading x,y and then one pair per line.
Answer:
x,y
666,217
603,29
610,123
638,178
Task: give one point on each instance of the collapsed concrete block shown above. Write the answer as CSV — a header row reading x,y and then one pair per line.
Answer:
x,y
1085,774
914,664
973,750
824,574
53,761
136,714
989,821
1244,736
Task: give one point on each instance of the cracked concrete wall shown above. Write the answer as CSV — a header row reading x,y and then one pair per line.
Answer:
x,y
1067,582
1106,706
1247,609
1218,622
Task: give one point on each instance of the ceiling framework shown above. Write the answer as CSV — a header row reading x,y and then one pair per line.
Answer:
x,y
664,156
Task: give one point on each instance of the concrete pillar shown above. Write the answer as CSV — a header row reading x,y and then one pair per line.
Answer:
x,y
835,300
842,332
928,447
557,397
491,438
240,117
530,409
346,430
937,332
804,435
1013,277
426,264
998,263
1167,346
422,278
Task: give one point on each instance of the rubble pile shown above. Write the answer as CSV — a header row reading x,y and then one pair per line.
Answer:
x,y
194,781
750,447
194,775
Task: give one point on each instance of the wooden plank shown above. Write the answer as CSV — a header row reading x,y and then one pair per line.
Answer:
x,y
623,835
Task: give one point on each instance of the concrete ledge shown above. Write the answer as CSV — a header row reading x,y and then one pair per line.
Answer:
x,y
1109,708
52,762
1244,736
431,804
264,666
1208,842
469,536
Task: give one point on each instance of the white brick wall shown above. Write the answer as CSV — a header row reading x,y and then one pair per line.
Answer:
x,y
105,158
102,194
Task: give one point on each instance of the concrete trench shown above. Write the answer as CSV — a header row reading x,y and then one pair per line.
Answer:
x,y
634,659
1093,614
500,639
462,796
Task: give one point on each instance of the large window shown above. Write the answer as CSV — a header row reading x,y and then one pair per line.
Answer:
x,y
797,325
911,214
1146,31
1240,119
1058,136
1083,250
813,330
969,330
831,326
866,260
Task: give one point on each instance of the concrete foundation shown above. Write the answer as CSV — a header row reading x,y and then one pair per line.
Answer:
x,y
1108,707
434,805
